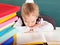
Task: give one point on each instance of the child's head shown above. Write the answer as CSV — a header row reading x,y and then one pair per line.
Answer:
x,y
30,13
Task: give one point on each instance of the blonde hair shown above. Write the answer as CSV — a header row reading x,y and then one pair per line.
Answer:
x,y
29,8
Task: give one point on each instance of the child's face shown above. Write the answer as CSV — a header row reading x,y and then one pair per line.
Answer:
x,y
30,21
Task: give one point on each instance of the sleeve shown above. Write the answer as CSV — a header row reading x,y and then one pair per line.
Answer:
x,y
46,26
18,23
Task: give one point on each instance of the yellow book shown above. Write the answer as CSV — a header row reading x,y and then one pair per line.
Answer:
x,y
14,43
7,17
32,43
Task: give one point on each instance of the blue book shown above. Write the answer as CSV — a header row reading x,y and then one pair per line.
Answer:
x,y
5,31
8,42
8,35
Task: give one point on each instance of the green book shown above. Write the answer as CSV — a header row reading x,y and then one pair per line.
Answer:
x,y
8,35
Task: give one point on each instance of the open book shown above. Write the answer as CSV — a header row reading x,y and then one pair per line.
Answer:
x,y
25,38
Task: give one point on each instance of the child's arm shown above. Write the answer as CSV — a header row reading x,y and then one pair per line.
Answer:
x,y
46,25
43,26
19,27
18,23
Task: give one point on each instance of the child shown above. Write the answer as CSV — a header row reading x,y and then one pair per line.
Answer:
x,y
31,18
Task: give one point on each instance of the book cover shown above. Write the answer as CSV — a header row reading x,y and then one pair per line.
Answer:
x,y
5,27
8,42
6,9
7,17
7,35
9,21
6,30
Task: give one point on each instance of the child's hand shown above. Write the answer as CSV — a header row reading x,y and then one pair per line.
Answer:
x,y
38,25
30,31
35,26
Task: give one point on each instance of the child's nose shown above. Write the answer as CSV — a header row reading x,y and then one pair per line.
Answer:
x,y
30,24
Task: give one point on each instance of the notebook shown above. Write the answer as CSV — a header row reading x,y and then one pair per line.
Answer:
x,y
15,41
9,21
7,17
30,38
6,9
3,28
32,43
8,42
8,35
6,30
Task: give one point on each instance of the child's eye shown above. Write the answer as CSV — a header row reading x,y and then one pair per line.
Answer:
x,y
26,21
33,21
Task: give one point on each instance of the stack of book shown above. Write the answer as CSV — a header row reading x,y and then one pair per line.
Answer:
x,y
7,20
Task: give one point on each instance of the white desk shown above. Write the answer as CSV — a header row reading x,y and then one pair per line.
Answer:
x,y
51,37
